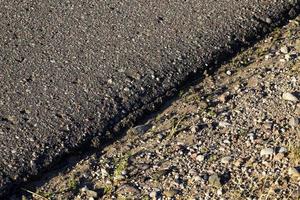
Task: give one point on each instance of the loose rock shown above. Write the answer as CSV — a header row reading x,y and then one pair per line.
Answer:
x,y
226,160
141,129
294,172
294,122
215,180
266,152
289,97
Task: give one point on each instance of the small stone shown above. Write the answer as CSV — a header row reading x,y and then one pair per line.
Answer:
x,y
119,178
200,158
128,189
194,129
223,97
110,81
170,193
294,122
268,20
297,110
283,150
89,193
284,50
224,124
154,194
294,172
268,56
238,162
220,192
197,178
268,125
104,173
215,180
228,72
226,160
11,119
140,129
289,97
266,152
160,136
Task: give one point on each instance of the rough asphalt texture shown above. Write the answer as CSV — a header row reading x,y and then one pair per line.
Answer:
x,y
74,70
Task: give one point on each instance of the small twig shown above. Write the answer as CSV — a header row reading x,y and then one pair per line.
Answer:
x,y
34,194
175,127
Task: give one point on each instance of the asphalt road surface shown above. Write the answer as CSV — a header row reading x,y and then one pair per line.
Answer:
x,y
73,71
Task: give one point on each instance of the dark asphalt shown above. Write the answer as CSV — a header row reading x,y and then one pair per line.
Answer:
x,y
74,70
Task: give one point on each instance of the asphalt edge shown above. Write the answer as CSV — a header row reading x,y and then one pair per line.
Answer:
x,y
9,186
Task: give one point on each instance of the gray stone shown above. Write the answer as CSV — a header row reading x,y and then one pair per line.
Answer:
x,y
268,20
141,129
283,150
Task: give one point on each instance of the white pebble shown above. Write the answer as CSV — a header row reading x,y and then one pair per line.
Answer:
x,y
289,97
266,152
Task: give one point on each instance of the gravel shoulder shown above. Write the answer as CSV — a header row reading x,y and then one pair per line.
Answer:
x,y
234,134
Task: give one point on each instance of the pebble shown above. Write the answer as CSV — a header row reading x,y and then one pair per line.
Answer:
x,y
289,97
284,50
119,178
224,124
266,152
214,180
224,97
170,193
226,160
220,192
154,194
141,129
287,57
128,189
293,172
268,20
228,72
283,150
294,122
89,193
110,81
200,158
197,178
